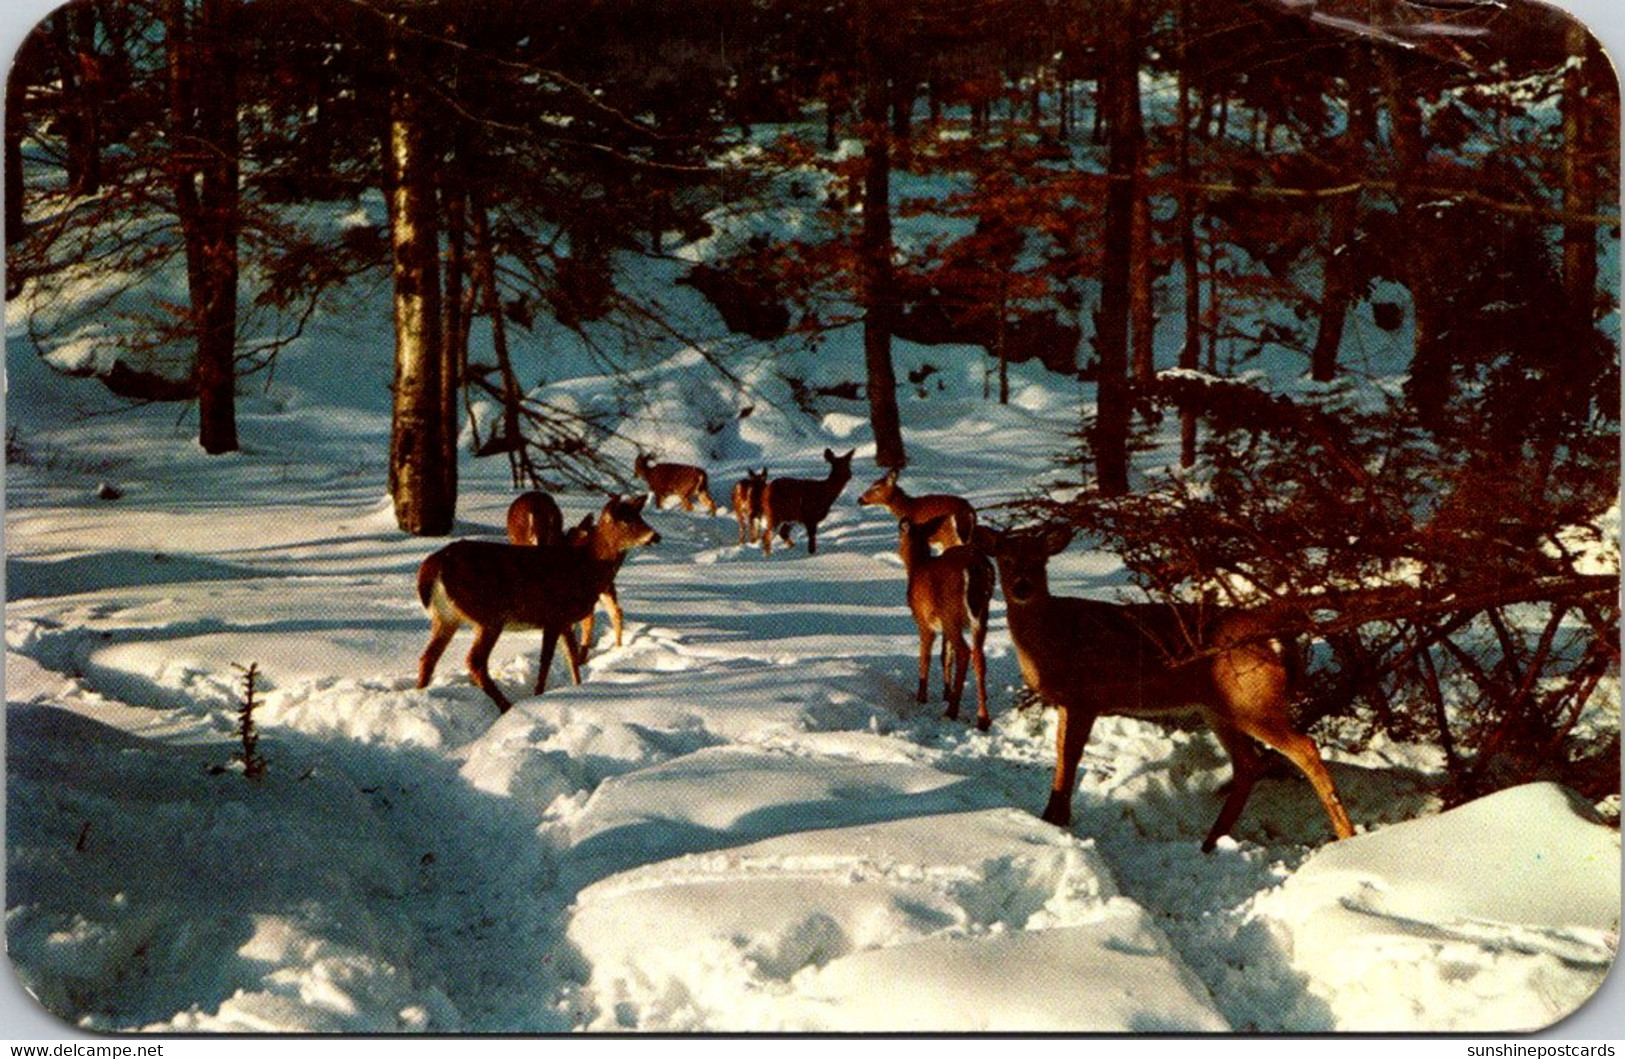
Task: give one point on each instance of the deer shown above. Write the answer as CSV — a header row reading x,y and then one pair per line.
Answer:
x,y
1088,657
803,500
494,586
948,593
747,504
685,482
956,527
534,518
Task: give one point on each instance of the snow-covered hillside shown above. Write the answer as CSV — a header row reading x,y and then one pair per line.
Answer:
x,y
741,821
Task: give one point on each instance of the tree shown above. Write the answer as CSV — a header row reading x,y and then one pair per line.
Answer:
x,y
1121,105
204,166
422,457
877,290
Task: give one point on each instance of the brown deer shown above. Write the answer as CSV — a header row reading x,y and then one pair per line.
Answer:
x,y
681,480
948,593
803,500
1087,658
956,528
747,504
534,518
494,586
609,599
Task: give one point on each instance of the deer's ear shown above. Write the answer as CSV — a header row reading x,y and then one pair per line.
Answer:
x,y
1055,539
637,502
829,455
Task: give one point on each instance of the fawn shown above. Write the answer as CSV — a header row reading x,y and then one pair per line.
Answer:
x,y
1087,658
951,594
747,504
534,518
955,528
550,587
681,480
803,500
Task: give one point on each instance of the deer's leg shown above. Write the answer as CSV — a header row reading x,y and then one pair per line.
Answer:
x,y
550,643
1302,752
955,691
584,634
812,537
612,603
927,636
440,634
1070,738
573,655
1246,766
984,720
479,660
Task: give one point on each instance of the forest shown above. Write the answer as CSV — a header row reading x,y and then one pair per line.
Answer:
x,y
1331,287
1296,163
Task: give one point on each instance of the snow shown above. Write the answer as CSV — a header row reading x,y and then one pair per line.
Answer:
x,y
740,822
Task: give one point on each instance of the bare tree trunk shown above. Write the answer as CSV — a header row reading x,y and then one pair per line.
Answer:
x,y
1120,103
1430,382
417,478
204,164
1579,177
879,296
485,277
73,30
1142,307
1337,267
1190,352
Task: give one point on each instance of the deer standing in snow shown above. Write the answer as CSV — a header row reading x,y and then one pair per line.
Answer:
x,y
955,529
551,587
747,504
1087,658
803,500
948,594
534,518
685,482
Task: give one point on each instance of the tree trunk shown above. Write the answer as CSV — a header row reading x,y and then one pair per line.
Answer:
x,y
16,97
485,278
74,31
1190,352
418,481
1431,382
204,166
1337,267
878,294
1579,179
1120,104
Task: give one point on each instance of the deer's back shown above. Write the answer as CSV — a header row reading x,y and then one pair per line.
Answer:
x,y
535,518
799,499
1113,658
527,585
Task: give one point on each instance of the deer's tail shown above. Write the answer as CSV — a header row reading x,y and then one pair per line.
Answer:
x,y
428,574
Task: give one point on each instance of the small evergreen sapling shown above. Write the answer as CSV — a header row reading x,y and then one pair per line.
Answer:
x,y
253,763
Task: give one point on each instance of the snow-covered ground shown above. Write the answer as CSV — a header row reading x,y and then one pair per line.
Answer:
x,y
741,821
